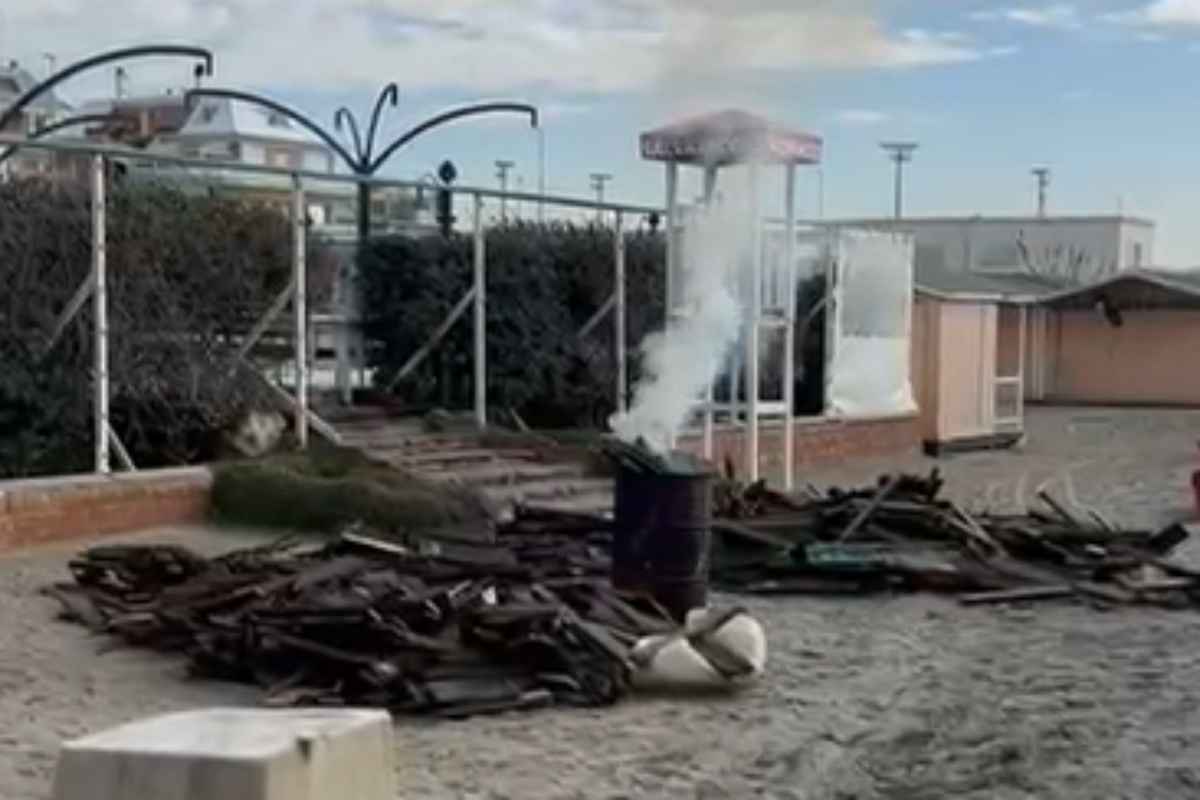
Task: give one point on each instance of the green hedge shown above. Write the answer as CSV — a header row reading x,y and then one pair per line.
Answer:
x,y
543,284
186,271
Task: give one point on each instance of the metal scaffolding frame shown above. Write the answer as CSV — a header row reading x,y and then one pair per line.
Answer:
x,y
295,293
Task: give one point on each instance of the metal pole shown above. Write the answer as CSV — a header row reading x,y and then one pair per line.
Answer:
x,y
899,201
789,345
821,193
752,332
100,312
900,153
710,187
480,318
541,174
619,320
1043,181
300,304
1022,323
710,183
502,168
672,208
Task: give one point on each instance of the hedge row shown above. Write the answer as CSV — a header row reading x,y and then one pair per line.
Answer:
x,y
544,282
187,273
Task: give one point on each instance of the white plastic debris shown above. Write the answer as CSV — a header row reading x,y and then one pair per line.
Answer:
x,y
714,651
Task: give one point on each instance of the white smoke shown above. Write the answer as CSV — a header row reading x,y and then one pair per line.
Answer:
x,y
680,362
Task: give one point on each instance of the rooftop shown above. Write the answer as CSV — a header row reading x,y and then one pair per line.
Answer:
x,y
219,117
1017,287
1032,219
729,137
15,80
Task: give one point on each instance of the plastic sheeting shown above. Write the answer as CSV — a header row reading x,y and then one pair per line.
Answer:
x,y
871,290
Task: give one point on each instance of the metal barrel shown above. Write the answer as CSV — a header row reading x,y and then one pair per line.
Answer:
x,y
661,538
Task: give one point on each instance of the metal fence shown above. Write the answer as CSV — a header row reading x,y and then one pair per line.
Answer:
x,y
289,377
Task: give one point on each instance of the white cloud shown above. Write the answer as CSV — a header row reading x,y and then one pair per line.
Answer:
x,y
1063,16
1160,14
861,117
485,46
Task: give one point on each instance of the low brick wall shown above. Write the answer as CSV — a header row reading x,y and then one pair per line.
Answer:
x,y
45,510
816,441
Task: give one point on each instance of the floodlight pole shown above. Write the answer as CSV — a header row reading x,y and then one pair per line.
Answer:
x,y
901,153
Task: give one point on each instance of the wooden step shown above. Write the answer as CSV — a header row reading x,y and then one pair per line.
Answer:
x,y
409,459
535,492
506,473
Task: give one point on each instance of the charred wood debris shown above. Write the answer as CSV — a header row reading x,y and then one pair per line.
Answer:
x,y
455,624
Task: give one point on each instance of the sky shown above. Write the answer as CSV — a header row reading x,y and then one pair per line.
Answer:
x,y
1101,91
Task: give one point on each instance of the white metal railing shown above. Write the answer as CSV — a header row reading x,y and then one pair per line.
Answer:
x,y
94,286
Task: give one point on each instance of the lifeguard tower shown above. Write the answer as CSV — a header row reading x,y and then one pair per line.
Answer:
x,y
710,143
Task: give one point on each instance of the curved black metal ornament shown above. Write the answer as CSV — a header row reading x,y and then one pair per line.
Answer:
x,y
363,161
69,122
71,70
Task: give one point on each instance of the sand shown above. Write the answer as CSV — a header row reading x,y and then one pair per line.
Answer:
x,y
903,697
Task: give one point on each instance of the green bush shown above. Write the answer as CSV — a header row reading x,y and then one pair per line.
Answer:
x,y
329,488
544,282
186,273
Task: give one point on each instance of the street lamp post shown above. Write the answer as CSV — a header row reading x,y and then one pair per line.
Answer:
x,y
901,153
598,180
502,170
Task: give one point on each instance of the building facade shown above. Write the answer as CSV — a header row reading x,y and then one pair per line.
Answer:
x,y
45,110
1075,249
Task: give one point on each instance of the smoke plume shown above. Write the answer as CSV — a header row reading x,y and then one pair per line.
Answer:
x,y
681,361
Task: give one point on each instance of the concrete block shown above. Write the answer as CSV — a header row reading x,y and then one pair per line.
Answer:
x,y
234,754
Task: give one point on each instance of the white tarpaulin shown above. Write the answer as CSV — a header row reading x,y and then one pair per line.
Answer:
x,y
870,326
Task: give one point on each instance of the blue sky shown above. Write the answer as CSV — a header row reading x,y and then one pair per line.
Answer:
x,y
1100,91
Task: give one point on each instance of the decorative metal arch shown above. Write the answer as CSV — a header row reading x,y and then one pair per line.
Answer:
x,y
363,161
69,122
205,56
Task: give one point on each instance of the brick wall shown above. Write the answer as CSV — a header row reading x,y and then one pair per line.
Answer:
x,y
816,442
53,509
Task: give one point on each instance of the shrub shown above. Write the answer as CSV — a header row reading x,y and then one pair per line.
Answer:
x,y
187,274
544,282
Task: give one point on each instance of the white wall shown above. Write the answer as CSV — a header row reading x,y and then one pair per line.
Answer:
x,y
317,159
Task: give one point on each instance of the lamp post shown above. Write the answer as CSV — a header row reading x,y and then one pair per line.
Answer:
x,y
598,180
901,153
1042,174
502,169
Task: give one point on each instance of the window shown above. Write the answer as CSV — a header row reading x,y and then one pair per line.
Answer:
x,y
208,113
282,157
1137,254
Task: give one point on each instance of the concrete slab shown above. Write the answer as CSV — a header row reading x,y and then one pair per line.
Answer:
x,y
234,754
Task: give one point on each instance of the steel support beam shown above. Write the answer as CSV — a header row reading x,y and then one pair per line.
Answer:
x,y
789,346
100,317
480,283
753,381
619,345
300,306
434,339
